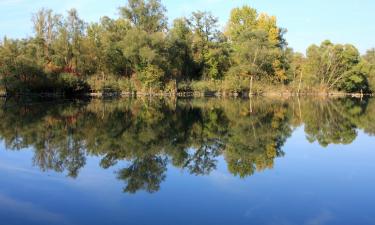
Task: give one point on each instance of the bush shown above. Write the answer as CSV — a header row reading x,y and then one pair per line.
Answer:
x,y
355,81
231,84
22,76
151,77
106,85
126,85
184,86
236,84
170,87
71,83
206,85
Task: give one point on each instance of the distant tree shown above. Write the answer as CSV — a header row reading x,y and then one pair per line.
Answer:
x,y
146,15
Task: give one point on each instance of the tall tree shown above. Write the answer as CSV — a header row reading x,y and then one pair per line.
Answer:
x,y
146,15
258,46
180,50
46,25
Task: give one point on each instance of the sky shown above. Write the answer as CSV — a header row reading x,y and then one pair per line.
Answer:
x,y
308,21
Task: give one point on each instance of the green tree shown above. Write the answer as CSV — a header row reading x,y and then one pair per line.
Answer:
x,y
46,27
180,50
334,67
258,46
145,15
367,67
207,45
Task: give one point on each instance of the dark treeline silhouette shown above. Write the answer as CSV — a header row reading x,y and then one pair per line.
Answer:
x,y
138,52
148,134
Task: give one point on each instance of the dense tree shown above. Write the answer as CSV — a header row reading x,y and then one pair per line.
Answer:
x,y
138,52
180,53
334,66
258,46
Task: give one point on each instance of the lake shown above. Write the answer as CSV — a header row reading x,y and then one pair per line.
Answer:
x,y
188,161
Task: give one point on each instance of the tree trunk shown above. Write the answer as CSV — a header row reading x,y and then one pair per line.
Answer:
x,y
103,81
251,86
175,87
251,105
299,85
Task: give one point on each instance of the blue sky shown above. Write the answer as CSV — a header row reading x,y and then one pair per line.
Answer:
x,y
307,21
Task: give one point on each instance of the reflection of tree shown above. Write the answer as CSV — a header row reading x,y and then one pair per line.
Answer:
x,y
327,123
190,135
70,157
256,140
144,174
49,130
206,139
366,121
203,160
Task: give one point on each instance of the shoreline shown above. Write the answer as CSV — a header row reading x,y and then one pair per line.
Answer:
x,y
192,94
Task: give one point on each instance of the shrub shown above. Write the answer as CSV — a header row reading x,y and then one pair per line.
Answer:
x,y
106,85
184,86
151,77
170,87
206,85
71,83
126,85
235,84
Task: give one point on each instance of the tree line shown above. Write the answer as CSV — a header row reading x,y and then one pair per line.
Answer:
x,y
140,52
150,134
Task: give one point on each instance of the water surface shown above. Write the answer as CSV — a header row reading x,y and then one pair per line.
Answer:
x,y
201,161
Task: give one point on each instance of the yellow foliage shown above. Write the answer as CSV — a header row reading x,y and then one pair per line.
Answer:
x,y
271,150
269,24
279,70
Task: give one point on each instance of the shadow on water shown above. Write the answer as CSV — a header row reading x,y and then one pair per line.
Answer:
x,y
150,134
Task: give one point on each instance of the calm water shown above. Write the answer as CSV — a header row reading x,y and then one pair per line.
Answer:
x,y
187,162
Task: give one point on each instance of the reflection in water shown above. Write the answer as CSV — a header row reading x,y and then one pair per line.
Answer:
x,y
149,134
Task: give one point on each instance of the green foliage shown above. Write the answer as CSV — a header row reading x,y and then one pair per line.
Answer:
x,y
180,55
217,61
126,85
105,84
72,82
145,15
241,20
206,86
333,66
151,77
258,46
368,68
354,81
236,84
66,54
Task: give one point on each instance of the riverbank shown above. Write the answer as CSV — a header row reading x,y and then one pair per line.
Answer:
x,y
197,94
194,94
